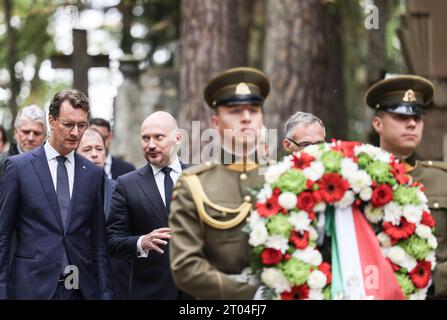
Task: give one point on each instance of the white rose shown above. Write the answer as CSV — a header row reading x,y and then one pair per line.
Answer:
x,y
346,201
287,200
273,173
319,207
384,239
366,194
316,295
432,242
374,215
423,231
412,213
299,220
393,212
359,180
315,171
348,168
275,279
317,280
278,242
258,235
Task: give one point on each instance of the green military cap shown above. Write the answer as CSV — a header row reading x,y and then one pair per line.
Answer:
x,y
405,94
237,86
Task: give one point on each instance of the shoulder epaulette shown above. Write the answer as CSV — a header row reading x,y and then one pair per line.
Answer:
x,y
435,164
199,168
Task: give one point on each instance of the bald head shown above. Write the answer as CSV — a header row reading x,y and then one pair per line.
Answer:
x,y
160,138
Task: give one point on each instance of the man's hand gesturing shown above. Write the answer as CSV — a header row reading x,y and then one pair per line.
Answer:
x,y
154,240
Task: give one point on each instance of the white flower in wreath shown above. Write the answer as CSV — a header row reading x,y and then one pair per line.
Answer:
x,y
275,279
348,168
274,172
255,219
313,234
431,257
300,220
423,231
412,213
316,280
383,156
346,201
422,197
393,212
359,180
420,294
432,242
366,194
374,215
314,151
400,257
384,239
315,171
258,235
319,207
278,242
287,200
316,295
308,255
265,193
366,148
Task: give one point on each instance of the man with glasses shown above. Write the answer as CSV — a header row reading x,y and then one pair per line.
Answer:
x,y
301,130
51,200
30,131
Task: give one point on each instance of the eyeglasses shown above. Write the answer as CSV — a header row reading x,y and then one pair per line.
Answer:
x,y
69,126
304,144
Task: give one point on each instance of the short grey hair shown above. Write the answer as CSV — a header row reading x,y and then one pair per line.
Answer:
x,y
33,113
301,118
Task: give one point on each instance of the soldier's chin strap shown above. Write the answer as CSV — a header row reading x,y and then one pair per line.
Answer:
x,y
200,199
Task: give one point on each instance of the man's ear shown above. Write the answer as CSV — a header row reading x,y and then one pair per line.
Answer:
x,y
377,124
286,145
215,121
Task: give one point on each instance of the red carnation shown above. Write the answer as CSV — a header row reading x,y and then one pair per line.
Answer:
x,y
311,215
306,201
332,187
303,161
393,265
269,208
402,231
420,275
318,196
427,219
381,195
326,269
346,148
271,256
399,172
297,293
300,239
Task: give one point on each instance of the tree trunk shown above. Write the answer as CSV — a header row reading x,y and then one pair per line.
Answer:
x,y
214,36
295,59
11,60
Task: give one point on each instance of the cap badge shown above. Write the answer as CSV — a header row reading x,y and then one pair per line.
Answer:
x,y
409,96
242,88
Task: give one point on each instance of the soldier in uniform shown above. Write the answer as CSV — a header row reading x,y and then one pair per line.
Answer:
x,y
400,103
211,201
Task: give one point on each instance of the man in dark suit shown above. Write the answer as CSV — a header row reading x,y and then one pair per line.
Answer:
x,y
52,200
114,166
92,147
138,221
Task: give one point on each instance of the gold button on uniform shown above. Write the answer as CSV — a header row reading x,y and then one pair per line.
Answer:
x,y
436,205
247,198
243,176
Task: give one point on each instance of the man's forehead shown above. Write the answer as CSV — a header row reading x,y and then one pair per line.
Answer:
x,y
28,124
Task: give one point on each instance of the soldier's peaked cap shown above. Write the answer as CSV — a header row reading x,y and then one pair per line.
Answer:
x,y
403,94
237,86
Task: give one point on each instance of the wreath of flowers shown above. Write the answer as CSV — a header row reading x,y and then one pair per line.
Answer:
x,y
284,228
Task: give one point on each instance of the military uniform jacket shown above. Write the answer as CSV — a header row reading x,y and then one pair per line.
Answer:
x,y
433,175
209,208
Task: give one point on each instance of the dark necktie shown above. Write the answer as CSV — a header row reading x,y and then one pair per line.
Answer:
x,y
169,185
62,188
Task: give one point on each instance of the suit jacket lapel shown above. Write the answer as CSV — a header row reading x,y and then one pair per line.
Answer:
x,y
42,169
147,183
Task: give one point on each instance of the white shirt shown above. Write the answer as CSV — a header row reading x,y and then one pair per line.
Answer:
x,y
159,177
108,166
51,155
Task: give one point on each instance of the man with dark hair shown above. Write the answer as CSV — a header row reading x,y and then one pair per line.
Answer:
x,y
114,167
399,103
51,199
